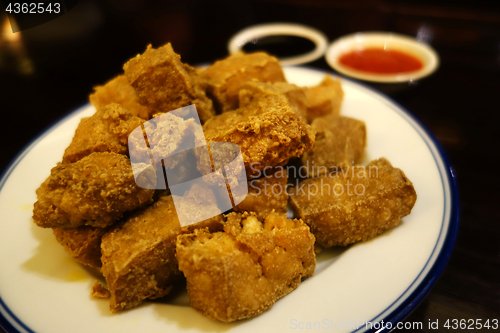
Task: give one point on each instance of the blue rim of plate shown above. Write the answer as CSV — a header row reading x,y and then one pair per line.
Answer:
x,y
15,325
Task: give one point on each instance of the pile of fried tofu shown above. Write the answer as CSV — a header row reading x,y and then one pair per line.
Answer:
x,y
237,263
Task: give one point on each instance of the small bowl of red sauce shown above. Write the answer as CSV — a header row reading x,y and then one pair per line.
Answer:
x,y
382,57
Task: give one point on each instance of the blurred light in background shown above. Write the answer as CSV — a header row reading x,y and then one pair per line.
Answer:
x,y
13,56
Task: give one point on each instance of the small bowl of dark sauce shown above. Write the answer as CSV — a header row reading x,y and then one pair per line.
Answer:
x,y
292,44
382,58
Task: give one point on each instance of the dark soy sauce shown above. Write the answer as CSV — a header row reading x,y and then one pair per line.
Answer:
x,y
281,46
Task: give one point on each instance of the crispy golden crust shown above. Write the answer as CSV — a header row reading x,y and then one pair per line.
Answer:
x,y
82,243
166,135
94,191
241,272
98,291
225,77
254,90
138,256
356,204
119,90
219,157
340,142
266,194
324,99
164,83
268,133
196,203
106,131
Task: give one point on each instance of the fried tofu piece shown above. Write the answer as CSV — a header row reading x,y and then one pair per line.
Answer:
x,y
166,135
171,134
138,256
164,83
324,99
185,168
355,204
82,243
218,156
228,179
93,191
167,142
106,131
196,205
340,143
253,90
268,133
243,271
119,90
225,77
266,194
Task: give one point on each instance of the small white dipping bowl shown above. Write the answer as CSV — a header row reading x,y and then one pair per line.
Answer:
x,y
286,29
388,41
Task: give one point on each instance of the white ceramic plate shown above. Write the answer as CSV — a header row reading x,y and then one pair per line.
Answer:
x,y
42,289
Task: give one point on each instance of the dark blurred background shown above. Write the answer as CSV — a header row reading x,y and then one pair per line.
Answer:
x,y
49,70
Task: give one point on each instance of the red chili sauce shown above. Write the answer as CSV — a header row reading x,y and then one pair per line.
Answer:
x,y
380,61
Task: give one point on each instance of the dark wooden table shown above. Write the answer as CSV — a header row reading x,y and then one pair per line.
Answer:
x,y
460,103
